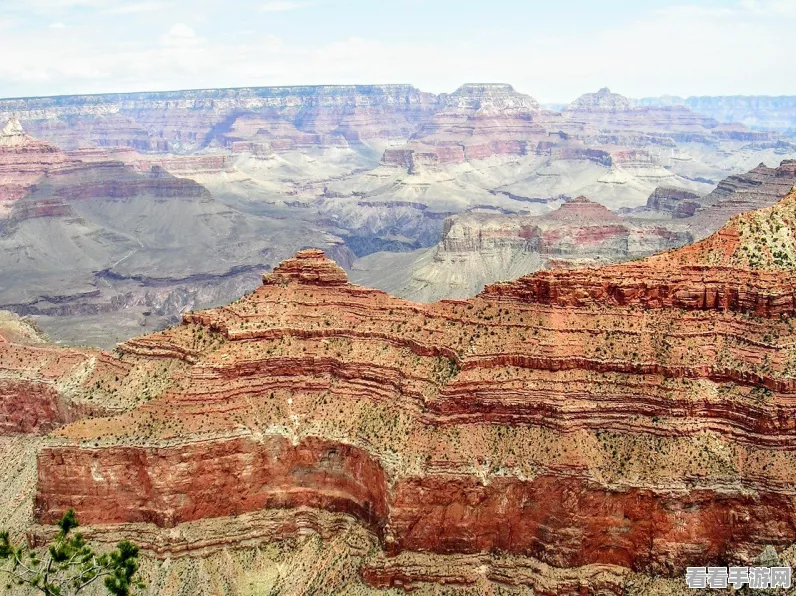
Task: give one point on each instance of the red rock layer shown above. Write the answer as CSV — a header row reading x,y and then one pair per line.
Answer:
x,y
769,294
625,416
308,266
23,161
279,118
43,387
577,233
33,395
168,486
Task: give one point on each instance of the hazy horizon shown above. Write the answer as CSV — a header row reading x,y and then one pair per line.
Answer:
x,y
365,84
552,52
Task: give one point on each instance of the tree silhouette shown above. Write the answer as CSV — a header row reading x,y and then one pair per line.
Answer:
x,y
69,564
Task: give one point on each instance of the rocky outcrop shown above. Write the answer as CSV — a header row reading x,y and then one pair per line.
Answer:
x,y
745,267
180,121
597,417
23,161
308,266
43,386
478,248
758,188
755,111
476,121
675,202
602,100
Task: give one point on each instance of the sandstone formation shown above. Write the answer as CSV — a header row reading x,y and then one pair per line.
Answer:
x,y
181,121
23,161
481,248
267,171
102,249
755,111
758,188
563,431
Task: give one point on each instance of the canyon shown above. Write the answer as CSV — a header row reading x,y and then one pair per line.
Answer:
x,y
588,430
755,111
101,246
481,248
119,212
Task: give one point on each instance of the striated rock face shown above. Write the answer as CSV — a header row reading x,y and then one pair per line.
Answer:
x,y
476,121
23,161
178,121
308,266
756,189
479,248
760,187
755,111
745,267
638,417
676,202
602,100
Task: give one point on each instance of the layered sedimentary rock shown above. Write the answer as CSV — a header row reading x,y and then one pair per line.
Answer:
x,y
356,169
23,160
601,100
104,244
755,111
180,121
481,248
477,121
601,146
613,113
636,417
43,386
675,202
758,188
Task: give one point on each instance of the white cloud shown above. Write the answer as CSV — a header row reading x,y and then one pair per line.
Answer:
x,y
682,50
181,35
284,6
57,26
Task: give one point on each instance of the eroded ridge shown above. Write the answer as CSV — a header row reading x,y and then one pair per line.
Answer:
x,y
576,428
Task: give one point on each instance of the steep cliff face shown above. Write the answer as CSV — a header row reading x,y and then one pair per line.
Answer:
x,y
23,160
755,111
107,243
475,122
479,248
181,121
611,418
674,202
758,188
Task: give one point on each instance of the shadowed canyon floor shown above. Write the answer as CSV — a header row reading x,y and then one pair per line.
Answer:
x,y
575,431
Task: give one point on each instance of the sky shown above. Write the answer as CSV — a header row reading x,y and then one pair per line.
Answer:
x,y
554,50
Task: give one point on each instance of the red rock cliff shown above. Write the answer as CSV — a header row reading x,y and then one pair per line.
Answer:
x,y
639,416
